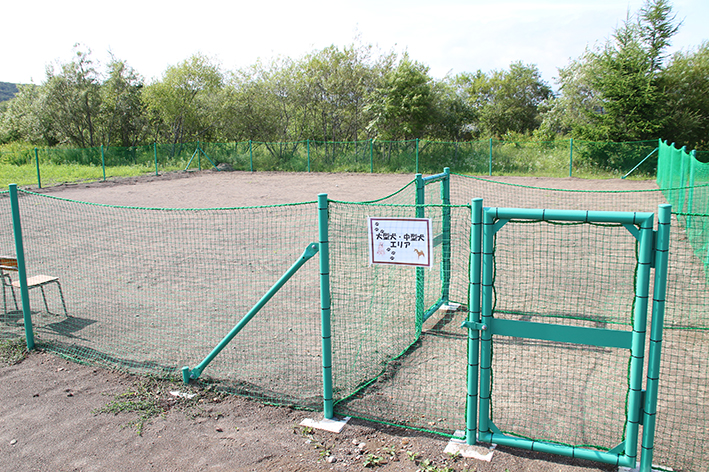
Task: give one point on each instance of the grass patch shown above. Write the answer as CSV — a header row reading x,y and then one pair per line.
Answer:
x,y
151,397
52,174
13,351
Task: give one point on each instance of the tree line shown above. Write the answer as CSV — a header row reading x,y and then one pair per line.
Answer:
x,y
626,89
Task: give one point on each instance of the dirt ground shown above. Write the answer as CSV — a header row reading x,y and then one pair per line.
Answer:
x,y
49,419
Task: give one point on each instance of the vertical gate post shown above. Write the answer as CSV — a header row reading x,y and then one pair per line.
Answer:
x,y
637,353
420,213
471,409
446,252
325,327
21,268
488,230
658,315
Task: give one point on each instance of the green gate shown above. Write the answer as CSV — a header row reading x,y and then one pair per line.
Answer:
x,y
485,330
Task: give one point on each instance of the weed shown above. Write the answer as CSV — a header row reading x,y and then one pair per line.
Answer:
x,y
148,398
373,461
412,455
13,351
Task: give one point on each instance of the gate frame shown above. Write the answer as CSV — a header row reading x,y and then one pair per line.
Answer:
x,y
653,251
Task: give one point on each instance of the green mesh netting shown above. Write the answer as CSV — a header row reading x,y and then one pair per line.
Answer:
x,y
152,290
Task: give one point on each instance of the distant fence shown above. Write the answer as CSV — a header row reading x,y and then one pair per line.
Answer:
x,y
558,158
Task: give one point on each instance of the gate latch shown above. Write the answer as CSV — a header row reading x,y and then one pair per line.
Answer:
x,y
474,325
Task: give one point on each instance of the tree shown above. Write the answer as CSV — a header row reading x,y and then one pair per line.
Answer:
x,y
72,102
657,25
505,101
402,108
612,92
684,85
20,120
180,105
122,110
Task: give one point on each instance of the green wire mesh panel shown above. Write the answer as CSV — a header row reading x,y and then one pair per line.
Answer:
x,y
152,290
387,364
566,274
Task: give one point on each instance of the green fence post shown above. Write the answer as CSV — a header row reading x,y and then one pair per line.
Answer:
x,y
36,160
446,243
103,163
637,352
251,156
325,327
658,313
490,164
371,156
21,270
155,153
474,285
571,155
420,213
308,155
199,156
417,155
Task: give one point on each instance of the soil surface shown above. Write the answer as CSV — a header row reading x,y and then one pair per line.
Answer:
x,y
49,413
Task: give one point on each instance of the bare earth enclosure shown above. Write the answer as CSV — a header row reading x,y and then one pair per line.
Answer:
x,y
48,412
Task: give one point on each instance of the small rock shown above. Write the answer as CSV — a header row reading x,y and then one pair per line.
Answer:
x,y
361,445
219,430
13,442
331,460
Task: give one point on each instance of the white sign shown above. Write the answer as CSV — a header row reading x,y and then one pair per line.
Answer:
x,y
400,241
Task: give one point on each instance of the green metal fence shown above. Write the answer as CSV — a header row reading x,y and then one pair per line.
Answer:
x,y
153,290
560,158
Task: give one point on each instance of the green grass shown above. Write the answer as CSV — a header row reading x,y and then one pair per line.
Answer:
x,y
52,174
13,351
149,398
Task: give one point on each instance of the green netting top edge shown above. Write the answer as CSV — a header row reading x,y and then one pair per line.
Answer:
x,y
378,199
577,190
106,205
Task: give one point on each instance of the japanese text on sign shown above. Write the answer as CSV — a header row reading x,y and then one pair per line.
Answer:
x,y
400,241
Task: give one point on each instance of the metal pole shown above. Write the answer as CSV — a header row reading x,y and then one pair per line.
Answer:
x,y
251,156
446,253
21,269
155,154
371,156
488,231
571,155
308,155
36,160
471,410
188,374
325,301
103,163
490,164
417,155
637,350
658,314
420,213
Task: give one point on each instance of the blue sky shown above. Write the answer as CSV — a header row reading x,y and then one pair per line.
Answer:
x,y
450,36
